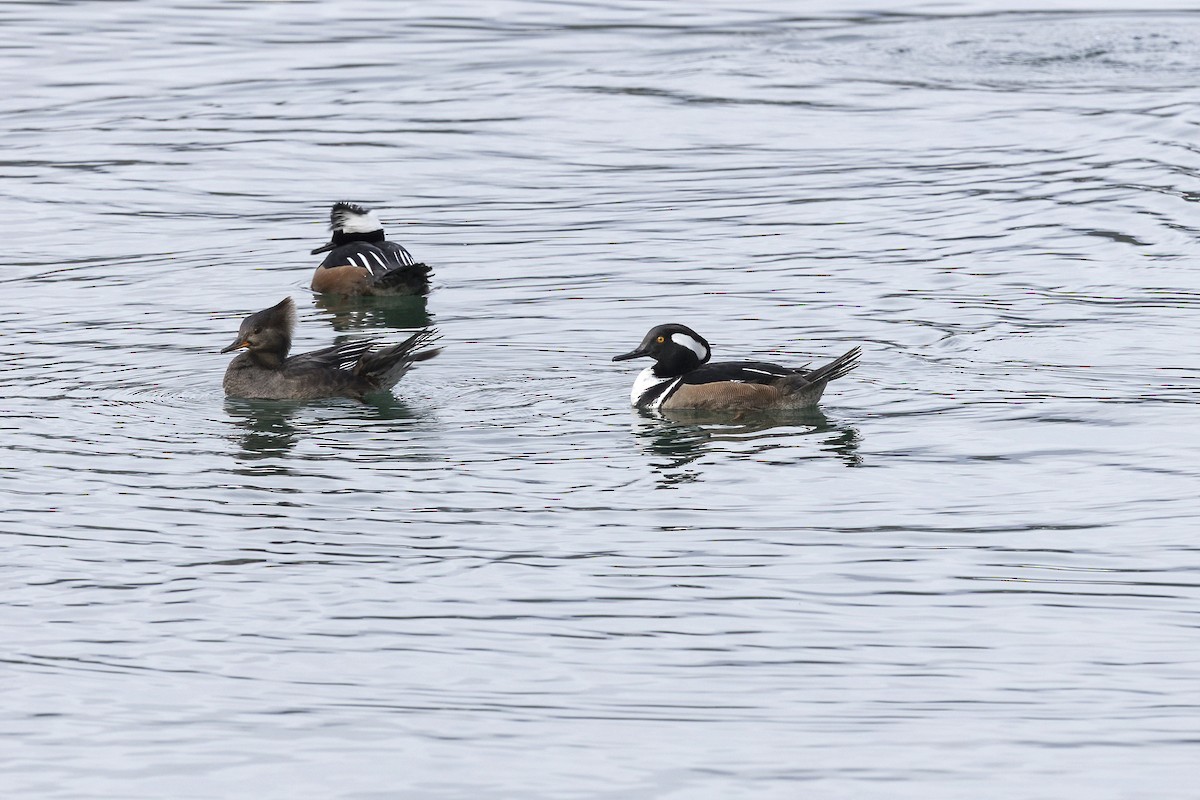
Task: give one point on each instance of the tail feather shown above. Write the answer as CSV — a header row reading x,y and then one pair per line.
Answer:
x,y
835,369
384,367
408,279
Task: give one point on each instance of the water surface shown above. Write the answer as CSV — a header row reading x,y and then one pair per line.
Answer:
x,y
973,573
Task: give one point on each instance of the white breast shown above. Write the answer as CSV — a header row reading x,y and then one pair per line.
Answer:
x,y
645,381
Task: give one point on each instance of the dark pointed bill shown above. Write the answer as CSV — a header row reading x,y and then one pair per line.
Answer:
x,y
641,351
236,345
324,248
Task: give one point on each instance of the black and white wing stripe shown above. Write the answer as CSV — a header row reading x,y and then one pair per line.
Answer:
x,y
739,371
376,259
396,254
343,356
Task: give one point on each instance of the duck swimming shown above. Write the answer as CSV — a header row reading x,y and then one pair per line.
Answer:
x,y
352,369
362,261
682,377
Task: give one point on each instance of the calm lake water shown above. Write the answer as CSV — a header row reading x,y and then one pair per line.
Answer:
x,y
976,573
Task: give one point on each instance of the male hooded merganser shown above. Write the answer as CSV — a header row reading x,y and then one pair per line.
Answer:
x,y
362,262
682,378
352,369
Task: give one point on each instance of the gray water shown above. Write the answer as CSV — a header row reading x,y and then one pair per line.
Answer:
x,y
975,573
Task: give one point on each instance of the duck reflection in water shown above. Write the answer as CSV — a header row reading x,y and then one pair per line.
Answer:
x,y
356,313
684,436
269,428
265,428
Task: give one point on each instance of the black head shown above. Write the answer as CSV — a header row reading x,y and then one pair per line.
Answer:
x,y
352,223
675,348
267,332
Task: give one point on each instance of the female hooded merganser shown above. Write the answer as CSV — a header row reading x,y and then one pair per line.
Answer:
x,y
682,378
353,369
362,261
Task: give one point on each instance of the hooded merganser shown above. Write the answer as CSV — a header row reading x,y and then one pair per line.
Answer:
x,y
362,261
682,378
352,369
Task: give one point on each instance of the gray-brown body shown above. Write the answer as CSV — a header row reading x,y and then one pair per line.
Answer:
x,y
353,369
785,394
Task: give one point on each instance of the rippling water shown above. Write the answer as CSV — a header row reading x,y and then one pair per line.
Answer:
x,y
972,574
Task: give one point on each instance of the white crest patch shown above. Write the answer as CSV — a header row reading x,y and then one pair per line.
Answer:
x,y
683,340
349,222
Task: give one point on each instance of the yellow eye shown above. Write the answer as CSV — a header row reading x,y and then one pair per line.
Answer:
x,y
662,339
